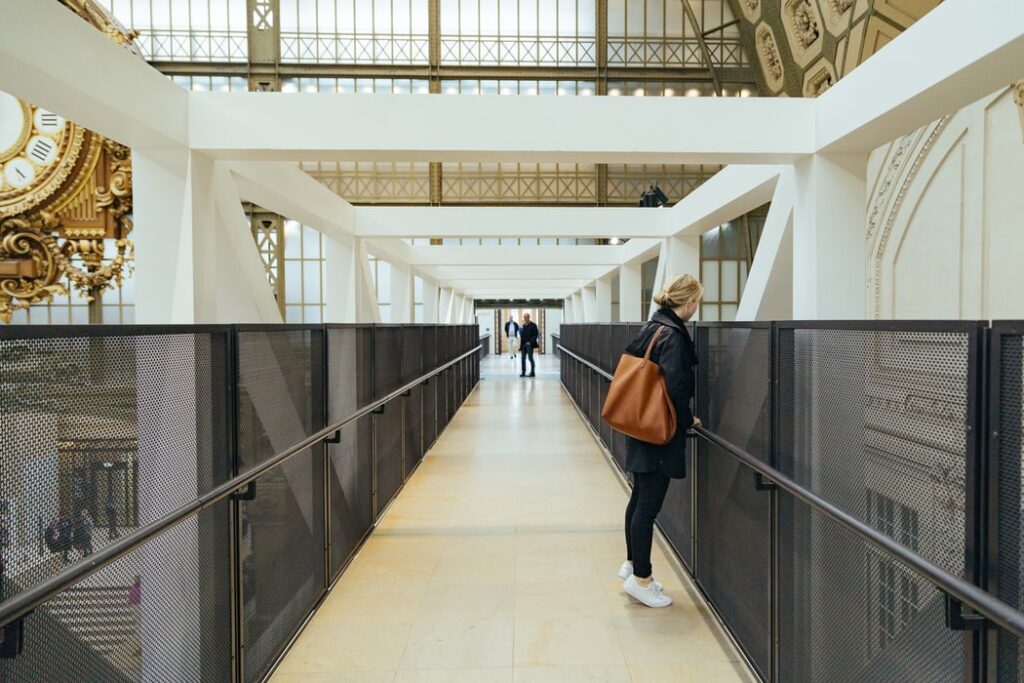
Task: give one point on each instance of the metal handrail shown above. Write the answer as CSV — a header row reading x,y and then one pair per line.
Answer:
x,y
586,362
23,603
967,593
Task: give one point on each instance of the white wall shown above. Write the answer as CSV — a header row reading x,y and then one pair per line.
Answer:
x,y
945,206
552,325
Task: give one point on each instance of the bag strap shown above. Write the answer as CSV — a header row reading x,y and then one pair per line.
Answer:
x,y
650,346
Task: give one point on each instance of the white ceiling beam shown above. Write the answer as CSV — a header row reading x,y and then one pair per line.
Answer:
x,y
527,272
511,256
729,193
513,284
54,59
287,190
670,130
504,221
957,53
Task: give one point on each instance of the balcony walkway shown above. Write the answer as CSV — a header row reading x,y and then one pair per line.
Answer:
x,y
498,562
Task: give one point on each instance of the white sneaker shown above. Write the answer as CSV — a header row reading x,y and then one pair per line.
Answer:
x,y
626,571
649,595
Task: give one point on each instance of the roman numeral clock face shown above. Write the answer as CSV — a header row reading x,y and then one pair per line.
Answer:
x,y
34,145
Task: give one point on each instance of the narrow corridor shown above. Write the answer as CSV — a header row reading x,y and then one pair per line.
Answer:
x,y
498,561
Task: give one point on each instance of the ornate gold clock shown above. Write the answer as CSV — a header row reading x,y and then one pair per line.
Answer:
x,y
64,191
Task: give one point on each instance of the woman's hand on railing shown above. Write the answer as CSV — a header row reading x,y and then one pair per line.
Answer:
x,y
696,423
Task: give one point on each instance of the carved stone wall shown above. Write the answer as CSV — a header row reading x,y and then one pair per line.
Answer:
x,y
944,213
814,43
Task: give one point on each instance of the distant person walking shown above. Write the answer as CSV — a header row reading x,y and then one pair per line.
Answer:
x,y
511,333
653,466
528,336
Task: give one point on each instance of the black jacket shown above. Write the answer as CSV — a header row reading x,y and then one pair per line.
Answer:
x,y
675,355
511,329
528,334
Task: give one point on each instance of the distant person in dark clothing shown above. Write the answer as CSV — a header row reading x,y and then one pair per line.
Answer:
x,y
81,533
64,538
511,334
528,335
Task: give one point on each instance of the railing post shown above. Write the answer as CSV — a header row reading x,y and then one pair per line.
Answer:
x,y
230,388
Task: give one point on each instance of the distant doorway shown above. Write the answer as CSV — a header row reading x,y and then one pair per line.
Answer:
x,y
501,316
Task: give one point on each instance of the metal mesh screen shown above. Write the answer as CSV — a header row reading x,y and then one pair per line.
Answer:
x,y
849,613
388,449
412,367
875,422
676,517
350,462
282,529
387,360
160,613
1010,495
733,518
430,394
388,430
123,427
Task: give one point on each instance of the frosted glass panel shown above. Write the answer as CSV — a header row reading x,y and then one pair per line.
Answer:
x,y
710,281
293,282
730,280
729,311
311,282
710,313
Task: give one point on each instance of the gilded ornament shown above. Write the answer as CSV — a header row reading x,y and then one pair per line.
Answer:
x,y
65,193
804,24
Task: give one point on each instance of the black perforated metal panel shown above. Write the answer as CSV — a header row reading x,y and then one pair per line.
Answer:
x,y
160,613
851,614
875,421
1009,555
282,529
126,427
389,437
350,462
387,360
733,518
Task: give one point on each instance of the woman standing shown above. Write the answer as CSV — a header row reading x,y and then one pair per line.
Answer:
x,y
652,466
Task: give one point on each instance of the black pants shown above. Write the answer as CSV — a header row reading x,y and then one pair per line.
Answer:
x,y
527,352
649,491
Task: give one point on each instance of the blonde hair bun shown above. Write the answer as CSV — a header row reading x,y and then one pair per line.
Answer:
x,y
681,290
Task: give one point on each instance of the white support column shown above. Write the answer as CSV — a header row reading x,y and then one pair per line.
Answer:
x,y
604,299
340,280
577,307
458,301
590,304
196,259
567,310
679,255
630,293
444,315
367,309
401,293
165,241
829,232
430,304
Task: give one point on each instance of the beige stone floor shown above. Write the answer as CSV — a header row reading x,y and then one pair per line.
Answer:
x,y
498,562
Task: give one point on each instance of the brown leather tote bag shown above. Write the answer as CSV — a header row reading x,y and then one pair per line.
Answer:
x,y
638,403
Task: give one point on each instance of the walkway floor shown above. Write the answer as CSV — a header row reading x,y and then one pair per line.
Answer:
x,y
498,562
